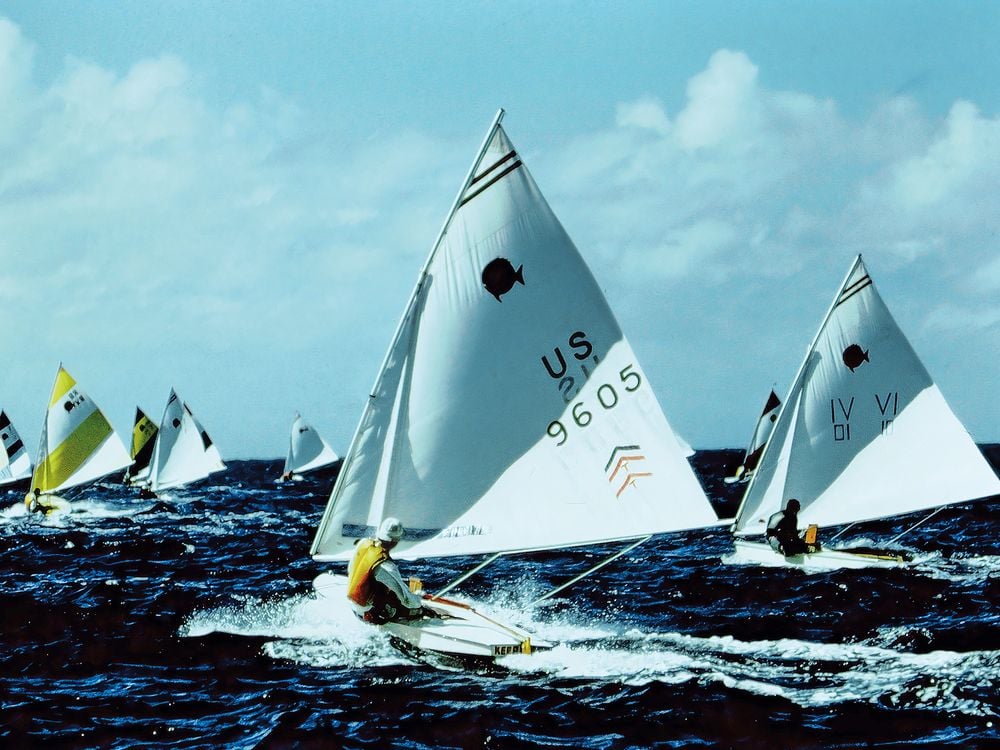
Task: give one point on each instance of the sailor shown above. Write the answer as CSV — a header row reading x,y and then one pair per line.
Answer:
x,y
375,587
33,501
783,532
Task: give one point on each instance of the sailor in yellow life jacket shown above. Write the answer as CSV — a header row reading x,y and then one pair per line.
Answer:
x,y
375,587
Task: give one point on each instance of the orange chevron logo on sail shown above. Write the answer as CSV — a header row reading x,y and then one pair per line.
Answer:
x,y
630,481
629,453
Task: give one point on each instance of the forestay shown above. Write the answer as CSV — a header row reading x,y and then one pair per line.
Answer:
x,y
15,463
78,444
307,450
511,412
184,452
864,432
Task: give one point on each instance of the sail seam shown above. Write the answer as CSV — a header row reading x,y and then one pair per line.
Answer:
x,y
498,177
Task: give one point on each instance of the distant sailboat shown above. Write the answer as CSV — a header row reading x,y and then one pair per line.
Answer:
x,y
510,413
143,442
15,463
761,433
863,434
307,451
183,453
77,446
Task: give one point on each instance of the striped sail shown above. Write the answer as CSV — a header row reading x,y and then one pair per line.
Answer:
x,y
307,450
78,444
15,463
864,432
143,441
183,453
511,413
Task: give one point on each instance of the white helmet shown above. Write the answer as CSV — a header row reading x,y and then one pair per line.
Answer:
x,y
390,530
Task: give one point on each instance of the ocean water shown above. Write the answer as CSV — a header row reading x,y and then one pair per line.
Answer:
x,y
189,622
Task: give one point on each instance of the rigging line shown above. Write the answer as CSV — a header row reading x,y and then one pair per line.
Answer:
x,y
918,523
466,575
586,573
842,530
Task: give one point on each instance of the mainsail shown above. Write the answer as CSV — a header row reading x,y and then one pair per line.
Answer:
x,y
864,432
510,413
144,432
761,434
184,453
15,463
78,444
307,450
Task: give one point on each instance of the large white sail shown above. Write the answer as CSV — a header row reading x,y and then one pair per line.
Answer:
x,y
864,432
78,444
183,453
144,432
15,463
511,412
307,450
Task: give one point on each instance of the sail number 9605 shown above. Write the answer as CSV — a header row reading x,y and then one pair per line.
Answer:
x,y
607,397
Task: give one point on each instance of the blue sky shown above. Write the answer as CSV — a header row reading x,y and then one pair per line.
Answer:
x,y
234,198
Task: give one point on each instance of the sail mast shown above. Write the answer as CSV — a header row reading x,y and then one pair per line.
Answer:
x,y
792,388
414,295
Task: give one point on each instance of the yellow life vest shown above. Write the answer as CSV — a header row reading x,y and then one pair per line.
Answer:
x,y
361,571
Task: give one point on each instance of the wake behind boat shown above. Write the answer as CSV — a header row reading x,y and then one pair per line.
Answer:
x,y
510,413
864,433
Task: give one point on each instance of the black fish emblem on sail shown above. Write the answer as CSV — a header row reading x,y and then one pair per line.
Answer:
x,y
499,277
854,356
176,422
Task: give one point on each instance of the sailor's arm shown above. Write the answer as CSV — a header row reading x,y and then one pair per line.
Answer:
x,y
388,575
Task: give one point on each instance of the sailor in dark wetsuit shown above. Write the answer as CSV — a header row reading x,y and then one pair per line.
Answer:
x,y
783,532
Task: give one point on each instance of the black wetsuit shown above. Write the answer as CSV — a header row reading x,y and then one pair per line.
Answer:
x,y
783,528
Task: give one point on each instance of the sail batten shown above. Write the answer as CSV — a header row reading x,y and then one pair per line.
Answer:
x,y
507,397
864,432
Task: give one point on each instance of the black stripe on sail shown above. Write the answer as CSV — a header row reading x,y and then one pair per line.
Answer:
x,y
206,440
503,159
14,447
4,420
773,402
483,187
863,283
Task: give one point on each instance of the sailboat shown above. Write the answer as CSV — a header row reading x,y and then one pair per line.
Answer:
x,y
510,413
864,433
183,453
77,446
761,433
307,451
144,432
15,463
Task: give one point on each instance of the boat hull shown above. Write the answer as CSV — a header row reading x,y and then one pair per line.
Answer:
x,y
757,553
458,630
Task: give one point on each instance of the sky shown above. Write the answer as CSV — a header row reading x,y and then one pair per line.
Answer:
x,y
234,199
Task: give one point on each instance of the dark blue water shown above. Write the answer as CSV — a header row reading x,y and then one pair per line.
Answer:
x,y
190,622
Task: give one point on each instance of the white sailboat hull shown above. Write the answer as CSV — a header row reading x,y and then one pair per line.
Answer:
x,y
758,553
460,631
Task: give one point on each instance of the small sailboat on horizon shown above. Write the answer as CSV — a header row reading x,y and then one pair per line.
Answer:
x,y
183,452
144,432
77,447
510,413
864,434
761,434
308,452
